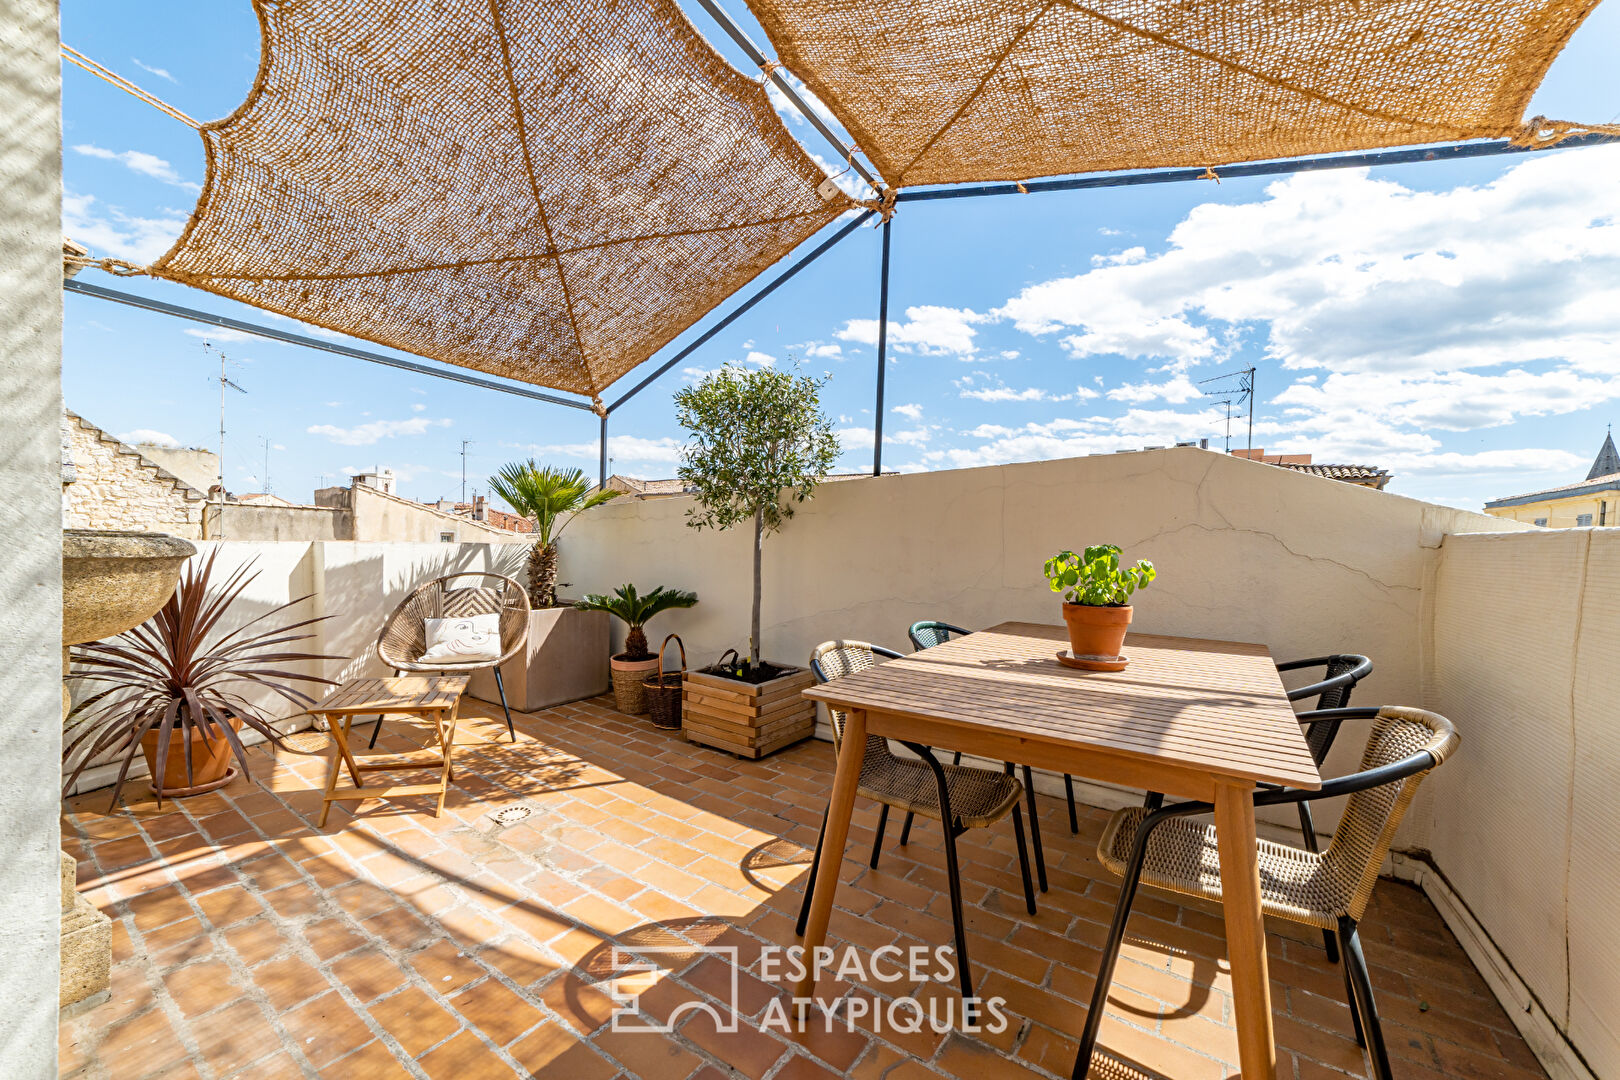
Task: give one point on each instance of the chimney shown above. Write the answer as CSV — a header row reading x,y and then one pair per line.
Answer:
x,y
478,508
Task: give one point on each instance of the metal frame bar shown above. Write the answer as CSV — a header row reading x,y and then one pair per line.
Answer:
x,y
743,308
1451,152
286,337
882,354
737,34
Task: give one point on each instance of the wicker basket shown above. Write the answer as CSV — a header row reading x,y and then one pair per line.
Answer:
x,y
628,696
664,691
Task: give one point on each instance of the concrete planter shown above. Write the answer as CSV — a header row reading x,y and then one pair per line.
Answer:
x,y
565,659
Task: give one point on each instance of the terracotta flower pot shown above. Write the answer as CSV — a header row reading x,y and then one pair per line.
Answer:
x,y
1096,631
628,695
210,762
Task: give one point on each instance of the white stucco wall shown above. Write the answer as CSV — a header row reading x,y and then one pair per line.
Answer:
x,y
356,584
1526,823
30,522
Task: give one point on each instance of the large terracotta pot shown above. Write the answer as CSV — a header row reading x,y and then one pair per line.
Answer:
x,y
1096,632
210,762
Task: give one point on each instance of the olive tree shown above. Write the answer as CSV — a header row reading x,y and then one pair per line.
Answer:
x,y
759,444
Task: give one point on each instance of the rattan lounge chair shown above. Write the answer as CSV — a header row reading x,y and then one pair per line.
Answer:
x,y
404,636
1330,889
973,797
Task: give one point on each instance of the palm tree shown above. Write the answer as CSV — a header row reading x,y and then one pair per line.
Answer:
x,y
636,611
550,498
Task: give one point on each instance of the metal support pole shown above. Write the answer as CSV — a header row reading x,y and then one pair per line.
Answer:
x,y
743,307
101,293
729,25
882,354
602,460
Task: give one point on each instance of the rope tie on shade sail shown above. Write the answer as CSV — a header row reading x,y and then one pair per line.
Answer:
x,y
78,59
597,407
1209,174
117,267
1539,133
767,67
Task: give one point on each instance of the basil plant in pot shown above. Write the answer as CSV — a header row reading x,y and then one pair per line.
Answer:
x,y
637,661
1097,589
172,688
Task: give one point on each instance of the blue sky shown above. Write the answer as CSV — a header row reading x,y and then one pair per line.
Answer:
x,y
1458,324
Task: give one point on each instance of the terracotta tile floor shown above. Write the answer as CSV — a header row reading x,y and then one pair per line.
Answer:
x,y
248,944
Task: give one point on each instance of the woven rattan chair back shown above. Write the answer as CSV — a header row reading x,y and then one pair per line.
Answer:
x,y
1371,817
404,635
1320,737
834,659
925,635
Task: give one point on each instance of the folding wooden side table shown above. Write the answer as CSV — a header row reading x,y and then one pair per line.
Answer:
x,y
431,697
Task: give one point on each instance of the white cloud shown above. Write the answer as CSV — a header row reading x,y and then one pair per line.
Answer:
x,y
418,407
110,232
369,433
140,162
623,449
828,351
929,330
147,435
220,333
760,359
159,72
1007,393
910,412
1178,390
1348,271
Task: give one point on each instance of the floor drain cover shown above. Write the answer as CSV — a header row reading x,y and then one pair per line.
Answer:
x,y
510,815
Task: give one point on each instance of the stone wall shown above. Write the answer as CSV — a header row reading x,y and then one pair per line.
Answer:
x,y
116,487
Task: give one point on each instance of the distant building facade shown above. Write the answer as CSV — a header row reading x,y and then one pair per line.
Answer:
x,y
1593,501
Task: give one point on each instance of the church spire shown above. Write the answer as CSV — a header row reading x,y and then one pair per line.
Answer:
x,y
1608,460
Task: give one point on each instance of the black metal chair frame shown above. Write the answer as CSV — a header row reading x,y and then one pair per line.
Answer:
x,y
1358,985
952,868
914,633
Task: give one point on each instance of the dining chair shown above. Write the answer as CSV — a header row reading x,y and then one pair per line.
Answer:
x,y
1330,889
403,639
961,797
927,634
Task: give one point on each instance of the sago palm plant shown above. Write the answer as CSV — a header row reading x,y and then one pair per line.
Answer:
x,y
550,498
636,610
175,676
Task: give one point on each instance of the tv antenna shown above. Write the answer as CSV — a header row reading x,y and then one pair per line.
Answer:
x,y
224,383
265,479
1237,388
464,444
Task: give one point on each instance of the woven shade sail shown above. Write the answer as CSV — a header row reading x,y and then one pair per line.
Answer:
x,y
546,190
946,91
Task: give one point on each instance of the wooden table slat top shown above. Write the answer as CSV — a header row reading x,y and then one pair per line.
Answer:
x,y
1217,706
424,692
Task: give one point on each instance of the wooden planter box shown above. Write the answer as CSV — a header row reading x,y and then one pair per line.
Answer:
x,y
744,719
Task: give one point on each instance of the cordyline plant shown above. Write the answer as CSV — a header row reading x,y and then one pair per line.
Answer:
x,y
759,444
550,498
167,676
636,610
1096,577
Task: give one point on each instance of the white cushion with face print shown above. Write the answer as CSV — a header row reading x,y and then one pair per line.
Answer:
x,y
465,640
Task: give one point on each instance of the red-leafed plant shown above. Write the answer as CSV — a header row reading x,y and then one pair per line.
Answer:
x,y
174,675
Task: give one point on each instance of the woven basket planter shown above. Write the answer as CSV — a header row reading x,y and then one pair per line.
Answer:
x,y
628,675
746,719
663,690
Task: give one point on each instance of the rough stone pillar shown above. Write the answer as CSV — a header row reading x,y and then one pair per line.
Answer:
x,y
86,944
31,529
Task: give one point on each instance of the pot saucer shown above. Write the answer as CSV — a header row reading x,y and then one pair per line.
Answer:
x,y
1067,658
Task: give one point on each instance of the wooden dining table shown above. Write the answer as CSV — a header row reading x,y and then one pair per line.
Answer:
x,y
1190,718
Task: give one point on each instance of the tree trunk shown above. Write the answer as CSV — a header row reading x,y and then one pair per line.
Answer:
x,y
543,575
635,644
759,552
